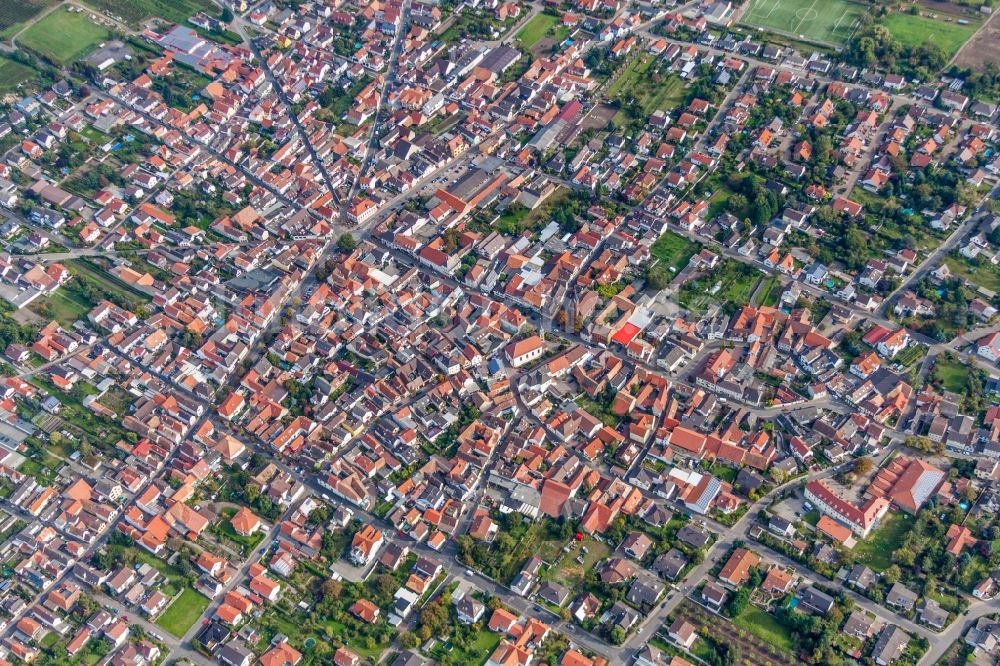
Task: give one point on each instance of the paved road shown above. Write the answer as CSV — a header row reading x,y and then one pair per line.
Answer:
x,y
931,261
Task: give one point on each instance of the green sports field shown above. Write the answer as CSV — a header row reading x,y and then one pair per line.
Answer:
x,y
64,36
829,22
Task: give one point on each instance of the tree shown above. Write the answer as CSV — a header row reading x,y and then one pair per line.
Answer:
x,y
384,584
656,277
332,589
227,15
739,602
863,466
892,574
346,242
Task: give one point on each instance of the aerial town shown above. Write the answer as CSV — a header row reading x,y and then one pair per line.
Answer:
x,y
499,332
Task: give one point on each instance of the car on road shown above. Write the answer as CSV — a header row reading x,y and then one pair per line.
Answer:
x,y
468,572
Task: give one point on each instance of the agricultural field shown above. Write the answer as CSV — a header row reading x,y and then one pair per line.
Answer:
x,y
832,22
15,13
135,12
913,30
983,48
753,649
12,74
63,36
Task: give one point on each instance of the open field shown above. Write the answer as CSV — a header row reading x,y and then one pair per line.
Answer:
x,y
638,88
984,47
63,36
13,73
979,274
536,28
65,306
183,612
599,117
912,30
569,572
753,649
15,13
876,550
764,626
827,22
673,250
517,219
135,11
953,376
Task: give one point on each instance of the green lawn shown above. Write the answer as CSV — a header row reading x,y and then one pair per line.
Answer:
x,y
64,36
599,411
770,292
183,613
912,30
953,376
183,89
764,626
829,22
877,549
536,29
476,651
674,250
723,472
13,73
